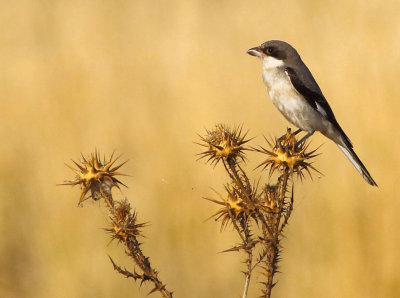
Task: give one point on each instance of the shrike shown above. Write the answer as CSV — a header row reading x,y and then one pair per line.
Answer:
x,y
297,96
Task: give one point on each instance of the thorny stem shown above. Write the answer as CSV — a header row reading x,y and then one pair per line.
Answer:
x,y
247,281
248,246
289,209
272,260
271,233
245,188
236,227
265,226
228,171
244,175
283,182
247,242
272,254
232,166
134,251
249,250
158,285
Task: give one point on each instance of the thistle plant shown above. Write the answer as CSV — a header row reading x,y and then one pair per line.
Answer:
x,y
96,179
258,214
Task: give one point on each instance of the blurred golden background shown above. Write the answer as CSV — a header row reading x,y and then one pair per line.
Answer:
x,y
143,77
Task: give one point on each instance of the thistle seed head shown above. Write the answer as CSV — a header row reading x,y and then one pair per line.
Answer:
x,y
287,153
124,222
234,207
95,176
223,143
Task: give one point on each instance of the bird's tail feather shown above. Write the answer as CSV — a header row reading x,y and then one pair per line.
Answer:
x,y
352,156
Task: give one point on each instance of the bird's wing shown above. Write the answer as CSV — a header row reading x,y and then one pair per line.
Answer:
x,y
314,96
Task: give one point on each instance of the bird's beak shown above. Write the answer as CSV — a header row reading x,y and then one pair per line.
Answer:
x,y
256,51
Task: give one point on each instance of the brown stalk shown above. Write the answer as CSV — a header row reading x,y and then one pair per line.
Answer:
x,y
96,178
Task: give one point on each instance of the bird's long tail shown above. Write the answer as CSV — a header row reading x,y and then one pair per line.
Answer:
x,y
352,156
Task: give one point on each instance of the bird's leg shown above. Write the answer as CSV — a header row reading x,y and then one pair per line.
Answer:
x,y
298,131
303,139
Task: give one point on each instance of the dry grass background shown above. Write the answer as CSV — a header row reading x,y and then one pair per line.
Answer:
x,y
143,77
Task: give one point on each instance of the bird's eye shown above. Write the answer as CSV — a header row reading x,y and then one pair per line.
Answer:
x,y
269,50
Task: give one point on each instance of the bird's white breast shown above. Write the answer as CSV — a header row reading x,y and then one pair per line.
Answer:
x,y
286,98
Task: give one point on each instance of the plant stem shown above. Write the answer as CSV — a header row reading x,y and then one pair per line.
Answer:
x,y
135,252
281,218
246,285
248,273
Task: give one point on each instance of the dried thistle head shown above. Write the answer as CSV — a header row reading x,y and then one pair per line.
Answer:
x,y
124,222
234,206
287,153
270,200
223,143
96,176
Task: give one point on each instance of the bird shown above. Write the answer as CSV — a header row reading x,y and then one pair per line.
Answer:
x,y
294,91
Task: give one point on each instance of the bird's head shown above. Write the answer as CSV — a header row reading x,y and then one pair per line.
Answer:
x,y
274,53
